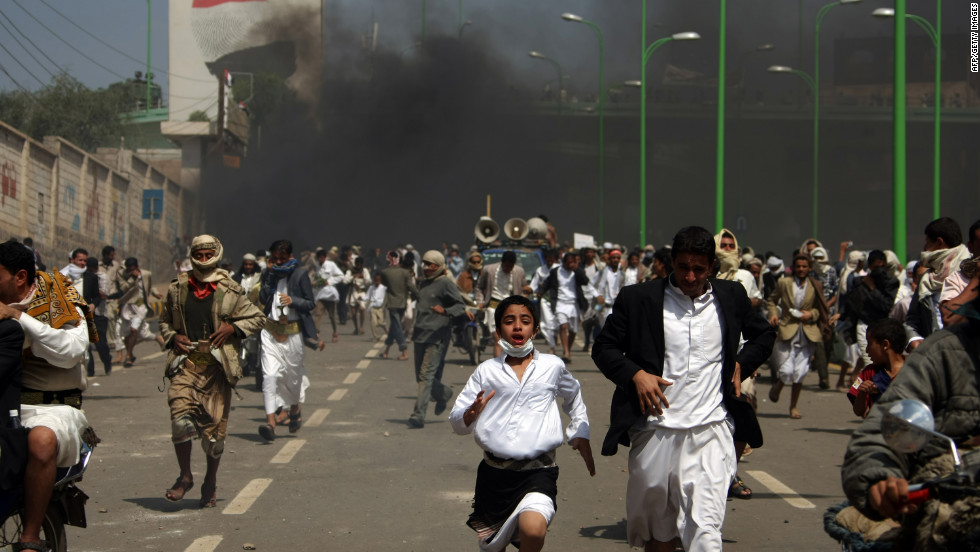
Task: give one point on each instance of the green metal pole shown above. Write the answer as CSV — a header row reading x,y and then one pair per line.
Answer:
x,y
643,126
935,131
602,149
149,19
898,153
720,135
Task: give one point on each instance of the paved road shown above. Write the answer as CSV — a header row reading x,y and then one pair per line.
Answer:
x,y
356,478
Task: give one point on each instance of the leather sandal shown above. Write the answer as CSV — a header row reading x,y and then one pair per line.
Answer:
x,y
295,421
267,432
738,489
209,499
180,486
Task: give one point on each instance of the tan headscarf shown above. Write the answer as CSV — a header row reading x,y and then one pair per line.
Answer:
x,y
438,259
207,271
728,261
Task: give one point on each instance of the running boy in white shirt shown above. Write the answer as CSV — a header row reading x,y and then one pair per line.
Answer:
x,y
519,432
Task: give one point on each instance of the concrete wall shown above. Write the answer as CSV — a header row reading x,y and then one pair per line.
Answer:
x,y
64,197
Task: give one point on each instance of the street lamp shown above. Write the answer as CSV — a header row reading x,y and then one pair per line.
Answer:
x,y
720,132
602,101
647,52
816,93
936,37
812,83
539,55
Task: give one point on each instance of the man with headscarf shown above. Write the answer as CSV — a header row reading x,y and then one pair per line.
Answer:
x,y
466,281
249,276
822,272
727,251
439,302
205,316
943,254
288,298
133,289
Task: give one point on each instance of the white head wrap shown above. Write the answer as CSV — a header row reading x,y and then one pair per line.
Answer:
x,y
207,271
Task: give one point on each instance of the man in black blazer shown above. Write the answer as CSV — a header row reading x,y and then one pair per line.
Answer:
x,y
676,342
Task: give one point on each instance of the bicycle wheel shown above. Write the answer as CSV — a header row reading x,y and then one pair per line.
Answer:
x,y
52,530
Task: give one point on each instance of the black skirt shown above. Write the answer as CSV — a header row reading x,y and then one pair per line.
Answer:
x,y
499,491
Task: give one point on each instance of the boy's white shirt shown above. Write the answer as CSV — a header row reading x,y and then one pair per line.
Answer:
x,y
522,419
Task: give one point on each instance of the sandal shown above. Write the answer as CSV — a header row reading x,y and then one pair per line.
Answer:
x,y
295,421
209,500
738,489
42,546
795,413
267,432
179,486
281,416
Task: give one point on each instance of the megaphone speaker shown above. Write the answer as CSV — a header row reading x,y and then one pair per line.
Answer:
x,y
486,230
516,229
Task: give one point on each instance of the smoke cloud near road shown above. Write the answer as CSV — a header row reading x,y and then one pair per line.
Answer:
x,y
404,143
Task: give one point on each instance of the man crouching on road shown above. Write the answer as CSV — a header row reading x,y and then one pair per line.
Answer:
x,y
205,316
671,348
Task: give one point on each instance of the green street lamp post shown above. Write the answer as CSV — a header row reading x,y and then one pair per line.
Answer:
x,y
539,55
937,42
643,119
814,89
720,134
602,102
899,235
821,14
149,75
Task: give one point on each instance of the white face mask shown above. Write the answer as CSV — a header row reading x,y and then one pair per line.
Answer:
x,y
517,352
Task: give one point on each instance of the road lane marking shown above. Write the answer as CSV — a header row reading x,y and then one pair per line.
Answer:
x,y
317,418
363,364
351,378
781,490
287,452
204,544
157,354
337,395
247,496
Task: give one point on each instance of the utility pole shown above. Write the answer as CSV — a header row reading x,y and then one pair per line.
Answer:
x,y
149,76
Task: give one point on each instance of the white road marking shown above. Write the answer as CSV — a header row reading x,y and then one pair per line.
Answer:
x,y
317,418
363,364
157,354
289,450
351,378
337,395
204,544
781,490
247,496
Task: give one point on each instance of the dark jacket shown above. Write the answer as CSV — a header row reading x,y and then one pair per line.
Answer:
x,y
944,373
401,286
551,288
870,305
300,291
11,366
90,290
633,339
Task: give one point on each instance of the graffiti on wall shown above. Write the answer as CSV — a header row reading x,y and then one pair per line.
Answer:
x,y
93,215
8,179
118,219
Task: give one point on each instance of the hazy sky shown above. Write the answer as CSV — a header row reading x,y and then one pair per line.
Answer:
x,y
512,26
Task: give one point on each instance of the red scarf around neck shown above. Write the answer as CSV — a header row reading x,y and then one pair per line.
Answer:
x,y
201,289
